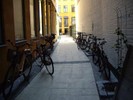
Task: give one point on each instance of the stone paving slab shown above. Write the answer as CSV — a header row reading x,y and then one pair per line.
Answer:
x,y
71,80
67,51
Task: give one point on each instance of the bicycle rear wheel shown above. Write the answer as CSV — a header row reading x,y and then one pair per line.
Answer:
x,y
48,62
106,69
37,57
27,66
8,82
95,58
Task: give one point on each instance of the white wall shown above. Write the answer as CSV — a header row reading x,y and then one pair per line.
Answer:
x,y
100,18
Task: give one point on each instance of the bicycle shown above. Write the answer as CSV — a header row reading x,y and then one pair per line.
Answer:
x,y
49,40
103,61
88,44
20,64
81,40
94,48
41,52
99,57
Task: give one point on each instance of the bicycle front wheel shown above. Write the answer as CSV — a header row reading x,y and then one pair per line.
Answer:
x,y
8,82
48,62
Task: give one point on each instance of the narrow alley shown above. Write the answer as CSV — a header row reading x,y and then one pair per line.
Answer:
x,y
34,31
73,78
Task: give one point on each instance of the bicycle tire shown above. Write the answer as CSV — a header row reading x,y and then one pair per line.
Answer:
x,y
79,42
37,57
8,82
27,66
103,67
83,46
106,69
96,55
95,59
49,64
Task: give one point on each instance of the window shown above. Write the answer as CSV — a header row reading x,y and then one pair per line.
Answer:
x,y
66,21
18,19
1,34
65,8
1,41
40,19
32,23
73,8
60,24
59,8
73,20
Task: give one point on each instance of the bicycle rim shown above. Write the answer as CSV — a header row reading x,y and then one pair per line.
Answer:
x,y
49,64
27,66
8,82
106,70
95,58
37,58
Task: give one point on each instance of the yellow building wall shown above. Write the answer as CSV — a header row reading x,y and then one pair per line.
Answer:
x,y
70,14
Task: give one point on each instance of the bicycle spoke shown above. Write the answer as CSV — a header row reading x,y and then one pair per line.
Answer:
x,y
49,64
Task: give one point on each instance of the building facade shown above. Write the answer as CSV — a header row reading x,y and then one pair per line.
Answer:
x,y
23,21
102,18
66,10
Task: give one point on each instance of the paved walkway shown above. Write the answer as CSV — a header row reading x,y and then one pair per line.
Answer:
x,y
73,78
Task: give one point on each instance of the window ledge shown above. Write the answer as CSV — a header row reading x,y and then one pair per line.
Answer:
x,y
2,45
20,42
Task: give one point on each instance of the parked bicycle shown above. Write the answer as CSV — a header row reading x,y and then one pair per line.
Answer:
x,y
20,64
93,46
42,54
81,40
49,40
99,57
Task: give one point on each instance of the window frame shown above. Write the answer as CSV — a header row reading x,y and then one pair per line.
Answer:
x,y
1,26
65,21
73,20
65,8
23,22
34,20
72,8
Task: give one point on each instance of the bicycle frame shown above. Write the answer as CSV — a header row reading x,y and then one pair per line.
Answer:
x,y
18,66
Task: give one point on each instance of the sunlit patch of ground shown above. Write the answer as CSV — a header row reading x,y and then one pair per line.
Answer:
x,y
66,40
